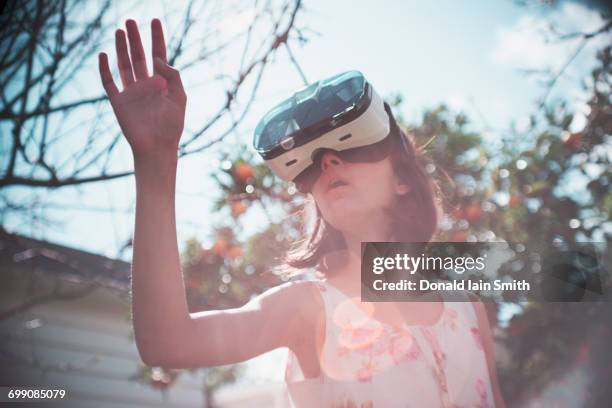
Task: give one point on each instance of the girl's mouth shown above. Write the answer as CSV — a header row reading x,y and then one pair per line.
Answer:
x,y
336,183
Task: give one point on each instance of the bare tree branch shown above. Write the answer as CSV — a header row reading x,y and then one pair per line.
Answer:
x,y
606,27
43,50
585,38
552,81
295,63
278,40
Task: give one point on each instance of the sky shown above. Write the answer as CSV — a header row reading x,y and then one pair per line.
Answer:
x,y
468,55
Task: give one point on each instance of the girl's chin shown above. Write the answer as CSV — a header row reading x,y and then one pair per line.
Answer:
x,y
342,207
346,215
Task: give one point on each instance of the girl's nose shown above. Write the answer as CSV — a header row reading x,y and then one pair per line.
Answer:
x,y
329,159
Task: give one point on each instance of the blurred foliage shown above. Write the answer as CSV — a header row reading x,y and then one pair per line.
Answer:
x,y
541,185
562,195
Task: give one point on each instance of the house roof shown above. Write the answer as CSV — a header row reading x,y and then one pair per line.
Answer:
x,y
17,250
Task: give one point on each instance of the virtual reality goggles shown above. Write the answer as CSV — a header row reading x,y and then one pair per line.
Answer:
x,y
342,113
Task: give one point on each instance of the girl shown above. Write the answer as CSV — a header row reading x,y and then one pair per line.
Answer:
x,y
342,352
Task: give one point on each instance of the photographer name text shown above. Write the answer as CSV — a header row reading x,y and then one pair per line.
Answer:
x,y
424,284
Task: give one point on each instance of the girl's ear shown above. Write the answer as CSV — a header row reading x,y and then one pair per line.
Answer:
x,y
401,188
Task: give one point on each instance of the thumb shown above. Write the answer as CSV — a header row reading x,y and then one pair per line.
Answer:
x,y
172,77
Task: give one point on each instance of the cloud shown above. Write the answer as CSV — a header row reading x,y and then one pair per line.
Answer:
x,y
457,101
236,23
525,45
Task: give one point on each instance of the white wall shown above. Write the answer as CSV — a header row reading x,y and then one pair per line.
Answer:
x,y
83,346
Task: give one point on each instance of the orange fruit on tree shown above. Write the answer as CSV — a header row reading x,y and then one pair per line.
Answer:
x,y
515,201
573,141
458,213
220,246
459,236
473,213
243,172
234,252
238,208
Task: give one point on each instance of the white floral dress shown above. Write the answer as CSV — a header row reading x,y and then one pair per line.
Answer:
x,y
367,363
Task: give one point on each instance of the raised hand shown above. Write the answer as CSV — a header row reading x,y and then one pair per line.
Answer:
x,y
150,109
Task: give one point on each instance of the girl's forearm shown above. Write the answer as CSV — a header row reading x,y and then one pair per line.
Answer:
x,y
160,311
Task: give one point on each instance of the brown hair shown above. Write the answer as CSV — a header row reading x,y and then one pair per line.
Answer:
x,y
415,215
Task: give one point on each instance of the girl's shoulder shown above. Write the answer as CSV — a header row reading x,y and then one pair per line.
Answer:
x,y
297,302
309,288
306,297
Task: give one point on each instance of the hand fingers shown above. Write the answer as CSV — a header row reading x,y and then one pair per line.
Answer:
x,y
172,76
136,50
107,78
123,59
159,44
